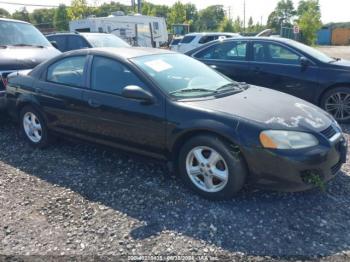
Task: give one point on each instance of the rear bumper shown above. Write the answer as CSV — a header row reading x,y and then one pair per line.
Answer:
x,y
290,171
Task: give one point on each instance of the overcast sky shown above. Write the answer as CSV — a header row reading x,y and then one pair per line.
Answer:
x,y
332,10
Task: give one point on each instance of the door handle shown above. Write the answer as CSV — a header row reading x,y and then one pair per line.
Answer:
x,y
93,103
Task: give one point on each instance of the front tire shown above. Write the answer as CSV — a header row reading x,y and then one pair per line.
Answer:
x,y
337,103
208,166
33,127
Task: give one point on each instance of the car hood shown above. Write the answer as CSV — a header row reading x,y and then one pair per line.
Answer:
x,y
345,64
270,109
17,58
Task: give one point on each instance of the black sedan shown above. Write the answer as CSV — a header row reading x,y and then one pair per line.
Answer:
x,y
284,65
218,133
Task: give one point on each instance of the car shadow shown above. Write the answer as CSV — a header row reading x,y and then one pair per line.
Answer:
x,y
255,222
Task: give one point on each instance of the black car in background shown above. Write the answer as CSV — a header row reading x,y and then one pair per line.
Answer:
x,y
72,41
284,65
22,46
217,133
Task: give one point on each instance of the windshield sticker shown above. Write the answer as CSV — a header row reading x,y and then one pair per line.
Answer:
x,y
158,65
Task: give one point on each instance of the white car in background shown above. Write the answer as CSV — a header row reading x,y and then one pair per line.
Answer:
x,y
174,44
194,40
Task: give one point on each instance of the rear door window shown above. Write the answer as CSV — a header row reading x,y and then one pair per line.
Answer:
x,y
230,51
188,39
61,42
76,42
207,38
68,71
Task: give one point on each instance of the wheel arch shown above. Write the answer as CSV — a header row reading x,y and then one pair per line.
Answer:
x,y
184,137
333,86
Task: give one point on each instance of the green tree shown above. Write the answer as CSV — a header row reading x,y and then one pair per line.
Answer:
x,y
42,18
210,18
191,16
21,14
250,25
238,25
177,14
226,25
309,20
4,13
78,9
61,20
282,15
107,8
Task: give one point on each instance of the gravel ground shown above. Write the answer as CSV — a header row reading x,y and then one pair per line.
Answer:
x,y
336,51
75,199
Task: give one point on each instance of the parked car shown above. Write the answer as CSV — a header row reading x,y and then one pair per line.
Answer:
x,y
284,65
217,133
174,44
22,46
194,40
72,41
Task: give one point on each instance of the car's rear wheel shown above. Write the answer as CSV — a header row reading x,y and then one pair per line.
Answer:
x,y
211,168
337,102
33,127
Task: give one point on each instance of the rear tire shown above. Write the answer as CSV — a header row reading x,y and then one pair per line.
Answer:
x,y
208,166
337,103
33,127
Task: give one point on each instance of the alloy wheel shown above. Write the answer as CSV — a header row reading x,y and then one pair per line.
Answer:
x,y
32,127
338,105
207,169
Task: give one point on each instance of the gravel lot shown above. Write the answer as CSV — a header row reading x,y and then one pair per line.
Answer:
x,y
84,202
336,51
78,199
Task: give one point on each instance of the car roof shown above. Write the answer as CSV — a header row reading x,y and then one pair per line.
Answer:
x,y
77,33
122,52
13,20
211,33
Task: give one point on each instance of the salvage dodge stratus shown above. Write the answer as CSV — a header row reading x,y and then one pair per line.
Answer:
x,y
217,133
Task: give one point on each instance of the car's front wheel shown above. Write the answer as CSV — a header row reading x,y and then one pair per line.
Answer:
x,y
337,102
33,127
211,167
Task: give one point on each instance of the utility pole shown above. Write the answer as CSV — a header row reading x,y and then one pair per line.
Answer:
x,y
133,5
229,12
244,16
139,10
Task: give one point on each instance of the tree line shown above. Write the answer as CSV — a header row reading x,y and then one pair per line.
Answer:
x,y
213,18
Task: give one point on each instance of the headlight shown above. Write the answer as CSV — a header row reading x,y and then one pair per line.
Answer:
x,y
278,139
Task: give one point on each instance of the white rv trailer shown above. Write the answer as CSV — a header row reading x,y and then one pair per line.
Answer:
x,y
138,30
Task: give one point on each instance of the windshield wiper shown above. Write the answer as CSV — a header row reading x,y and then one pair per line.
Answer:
x,y
189,90
335,59
237,86
38,46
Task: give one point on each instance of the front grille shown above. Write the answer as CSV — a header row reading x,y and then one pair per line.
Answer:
x,y
329,132
336,168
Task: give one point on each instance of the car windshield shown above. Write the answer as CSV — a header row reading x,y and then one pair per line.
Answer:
x,y
183,76
105,40
312,52
21,34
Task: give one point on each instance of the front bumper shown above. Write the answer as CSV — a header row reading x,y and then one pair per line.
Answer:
x,y
285,170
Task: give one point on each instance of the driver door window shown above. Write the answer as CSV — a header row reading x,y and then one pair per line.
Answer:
x,y
68,71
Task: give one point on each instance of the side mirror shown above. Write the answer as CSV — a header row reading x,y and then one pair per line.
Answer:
x,y
304,62
138,93
54,44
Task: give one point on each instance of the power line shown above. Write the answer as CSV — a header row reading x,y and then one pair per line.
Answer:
x,y
26,4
